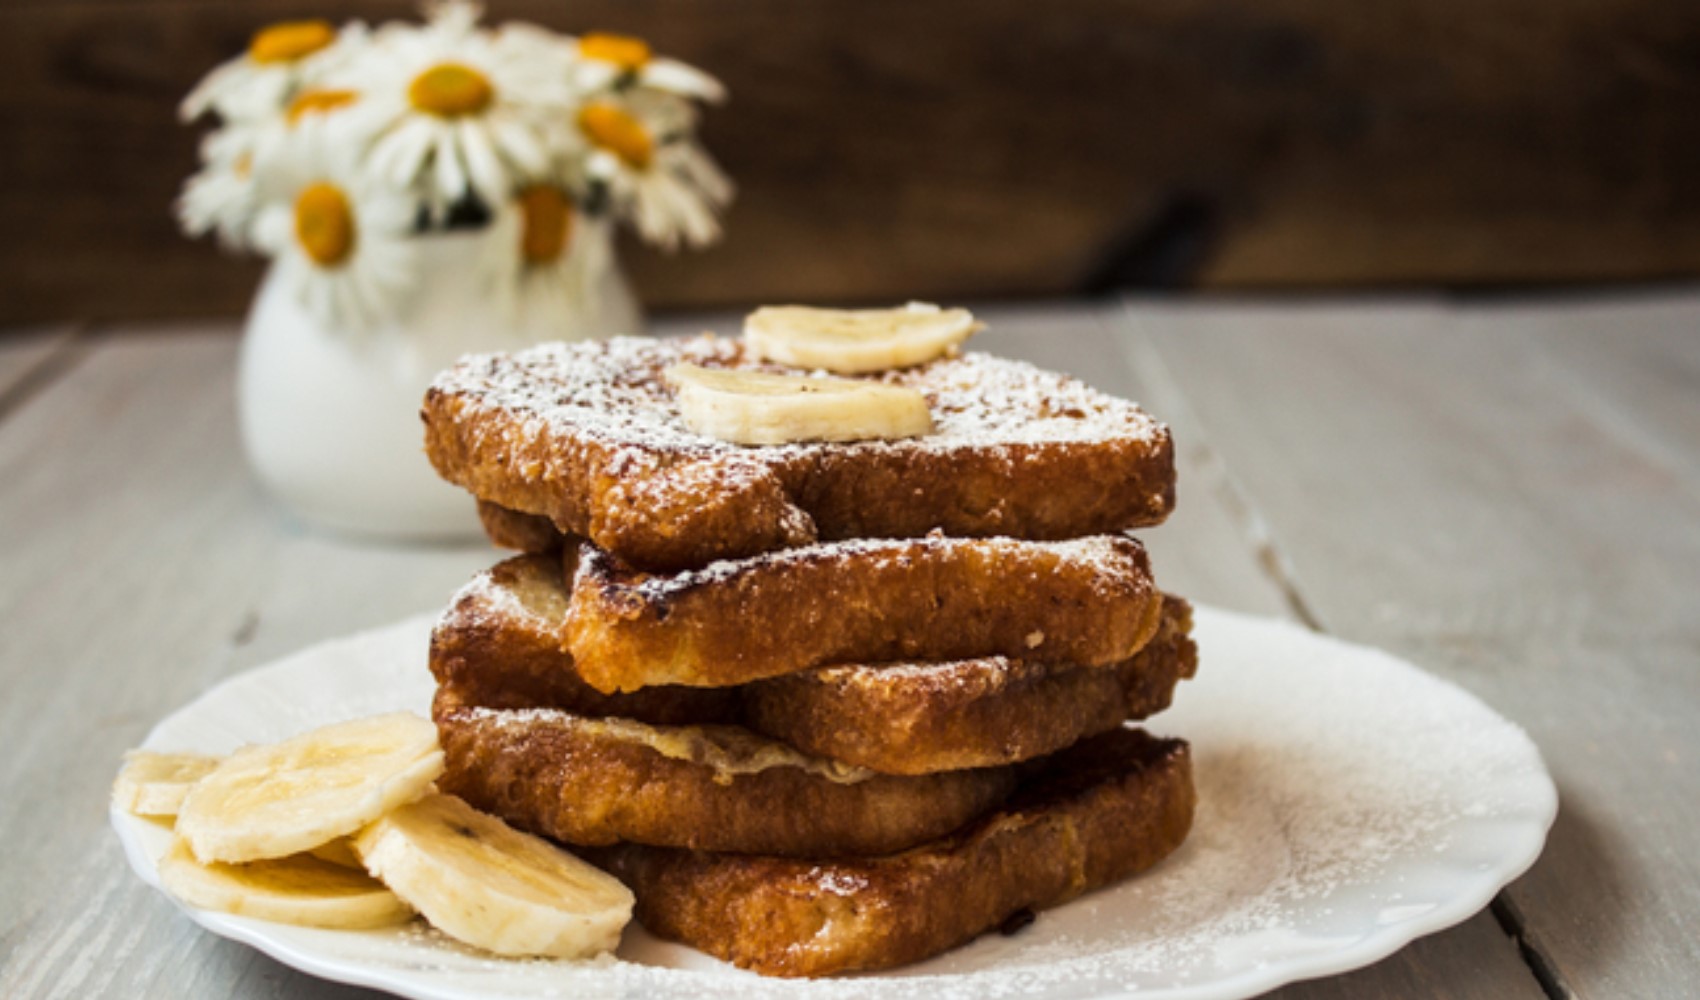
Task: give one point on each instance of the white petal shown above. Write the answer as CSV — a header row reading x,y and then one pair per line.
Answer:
x,y
387,215
653,220
273,229
488,177
453,18
395,158
519,144
201,98
450,179
693,218
702,173
604,165
594,74
263,94
663,114
679,78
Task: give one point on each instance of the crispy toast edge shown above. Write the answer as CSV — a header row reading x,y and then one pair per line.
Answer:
x,y
1063,834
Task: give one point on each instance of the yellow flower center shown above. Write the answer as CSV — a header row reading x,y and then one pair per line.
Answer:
x,y
451,89
243,165
288,41
324,223
614,129
312,102
624,51
548,217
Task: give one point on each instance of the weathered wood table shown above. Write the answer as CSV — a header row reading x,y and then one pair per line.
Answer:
x,y
1507,493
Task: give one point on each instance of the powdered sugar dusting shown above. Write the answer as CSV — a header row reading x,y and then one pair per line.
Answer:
x,y
612,392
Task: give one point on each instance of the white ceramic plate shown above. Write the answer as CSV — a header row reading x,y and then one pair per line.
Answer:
x,y
1349,802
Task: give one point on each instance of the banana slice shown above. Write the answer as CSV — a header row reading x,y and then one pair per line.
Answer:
x,y
339,852
759,408
289,797
299,889
856,341
485,883
154,784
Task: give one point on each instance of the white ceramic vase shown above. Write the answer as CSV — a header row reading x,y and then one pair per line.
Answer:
x,y
330,418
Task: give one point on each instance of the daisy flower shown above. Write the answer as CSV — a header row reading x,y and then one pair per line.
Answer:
x,y
608,61
342,242
226,194
336,150
546,257
223,197
656,175
262,140
455,108
279,60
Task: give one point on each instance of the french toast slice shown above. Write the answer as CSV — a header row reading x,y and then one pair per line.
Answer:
x,y
1087,601
499,646
597,781
921,718
509,529
1107,808
589,435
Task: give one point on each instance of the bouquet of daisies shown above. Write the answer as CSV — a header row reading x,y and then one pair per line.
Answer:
x,y
335,150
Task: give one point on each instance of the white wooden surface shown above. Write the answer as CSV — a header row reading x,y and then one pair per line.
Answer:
x,y
30,359
1509,494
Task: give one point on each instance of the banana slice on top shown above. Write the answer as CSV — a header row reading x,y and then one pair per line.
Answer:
x,y
857,341
155,784
747,407
299,889
285,798
481,881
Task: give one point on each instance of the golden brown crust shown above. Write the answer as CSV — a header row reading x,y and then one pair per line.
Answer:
x,y
499,645
1105,809
917,719
1088,602
509,529
588,436
570,778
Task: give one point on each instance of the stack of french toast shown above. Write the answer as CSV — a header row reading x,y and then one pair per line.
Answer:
x,y
825,639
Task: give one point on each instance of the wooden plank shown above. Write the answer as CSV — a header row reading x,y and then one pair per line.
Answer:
x,y
890,149
150,569
1457,486
28,357
22,351
1633,361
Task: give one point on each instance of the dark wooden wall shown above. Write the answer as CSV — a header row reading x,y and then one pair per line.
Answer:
x,y
1000,148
